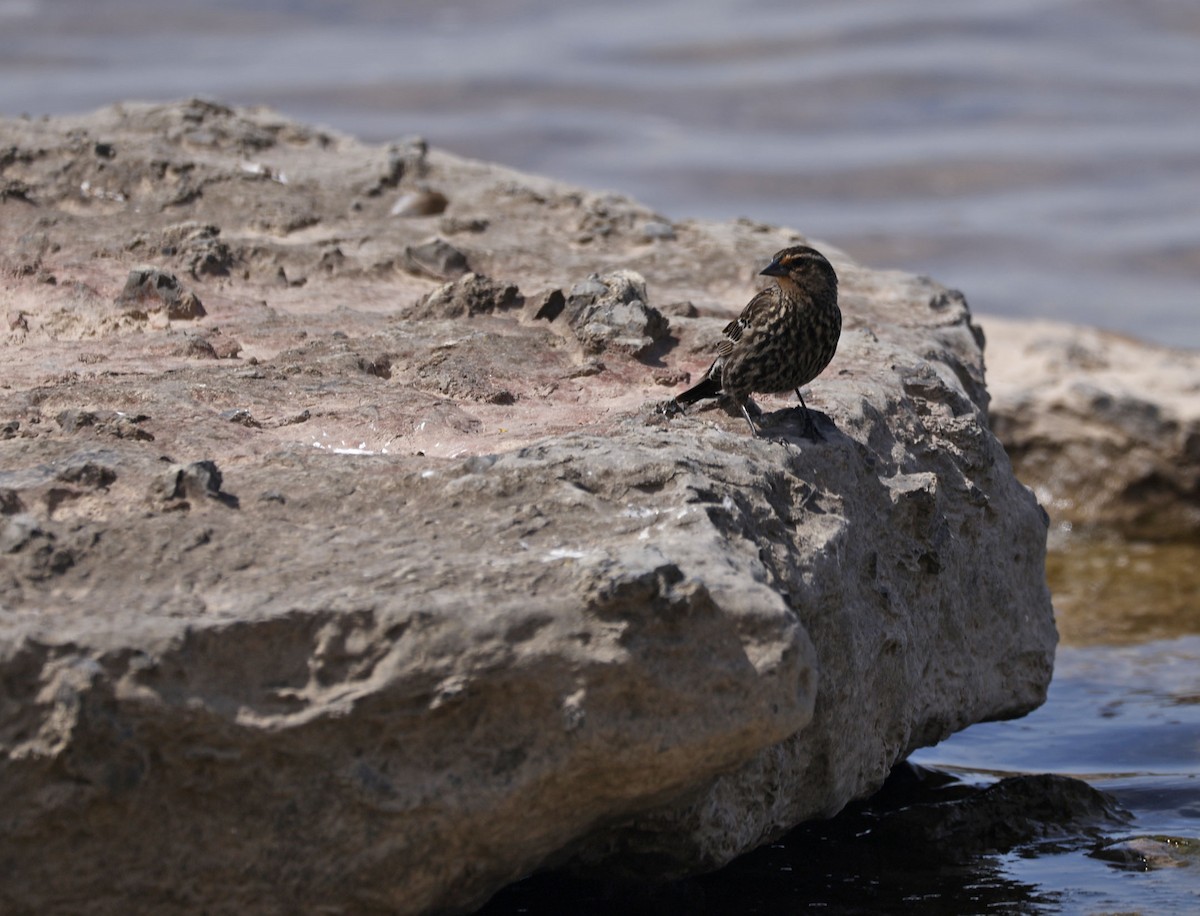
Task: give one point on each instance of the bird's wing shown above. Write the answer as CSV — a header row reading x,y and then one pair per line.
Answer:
x,y
762,300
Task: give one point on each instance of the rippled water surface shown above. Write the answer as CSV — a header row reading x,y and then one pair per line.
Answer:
x,y
1126,720
1041,155
1123,714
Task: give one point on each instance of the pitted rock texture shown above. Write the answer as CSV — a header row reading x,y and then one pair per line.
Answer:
x,y
610,312
153,290
399,602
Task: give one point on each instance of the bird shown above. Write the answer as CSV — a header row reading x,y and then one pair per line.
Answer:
x,y
783,339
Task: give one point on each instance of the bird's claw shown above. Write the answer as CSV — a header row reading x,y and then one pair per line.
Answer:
x,y
671,408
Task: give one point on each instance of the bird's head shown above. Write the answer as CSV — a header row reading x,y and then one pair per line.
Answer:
x,y
803,266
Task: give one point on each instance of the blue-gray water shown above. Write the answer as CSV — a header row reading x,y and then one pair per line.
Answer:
x,y
1041,155
1127,720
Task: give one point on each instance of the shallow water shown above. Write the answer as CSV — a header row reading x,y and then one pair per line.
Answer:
x,y
1123,713
1127,720
1041,155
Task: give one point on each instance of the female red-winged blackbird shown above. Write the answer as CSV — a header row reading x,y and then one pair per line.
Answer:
x,y
784,338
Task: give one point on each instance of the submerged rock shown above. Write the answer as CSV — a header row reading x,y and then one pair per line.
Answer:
x,y
925,837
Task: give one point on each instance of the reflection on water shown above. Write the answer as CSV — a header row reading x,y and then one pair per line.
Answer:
x,y
1123,713
1109,591
927,843
1040,155
1127,720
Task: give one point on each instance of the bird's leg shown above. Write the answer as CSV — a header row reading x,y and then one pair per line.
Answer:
x,y
746,414
810,426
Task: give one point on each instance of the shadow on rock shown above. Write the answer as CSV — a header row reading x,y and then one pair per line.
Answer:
x,y
925,843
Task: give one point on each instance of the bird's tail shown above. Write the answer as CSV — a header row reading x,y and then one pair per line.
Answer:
x,y
708,387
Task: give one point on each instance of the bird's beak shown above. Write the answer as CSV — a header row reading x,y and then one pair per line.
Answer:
x,y
774,270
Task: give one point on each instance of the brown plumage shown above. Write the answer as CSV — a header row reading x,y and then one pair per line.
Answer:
x,y
784,338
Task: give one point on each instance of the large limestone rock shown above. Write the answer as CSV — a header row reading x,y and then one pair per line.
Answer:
x,y
1104,427
394,603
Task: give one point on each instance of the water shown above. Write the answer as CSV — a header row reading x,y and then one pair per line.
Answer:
x,y
1041,155
1127,720
1123,713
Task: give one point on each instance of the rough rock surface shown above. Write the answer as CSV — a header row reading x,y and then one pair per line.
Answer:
x,y
391,608
469,295
1105,428
153,290
610,312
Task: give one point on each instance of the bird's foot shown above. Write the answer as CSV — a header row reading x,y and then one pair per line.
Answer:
x,y
809,428
671,408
